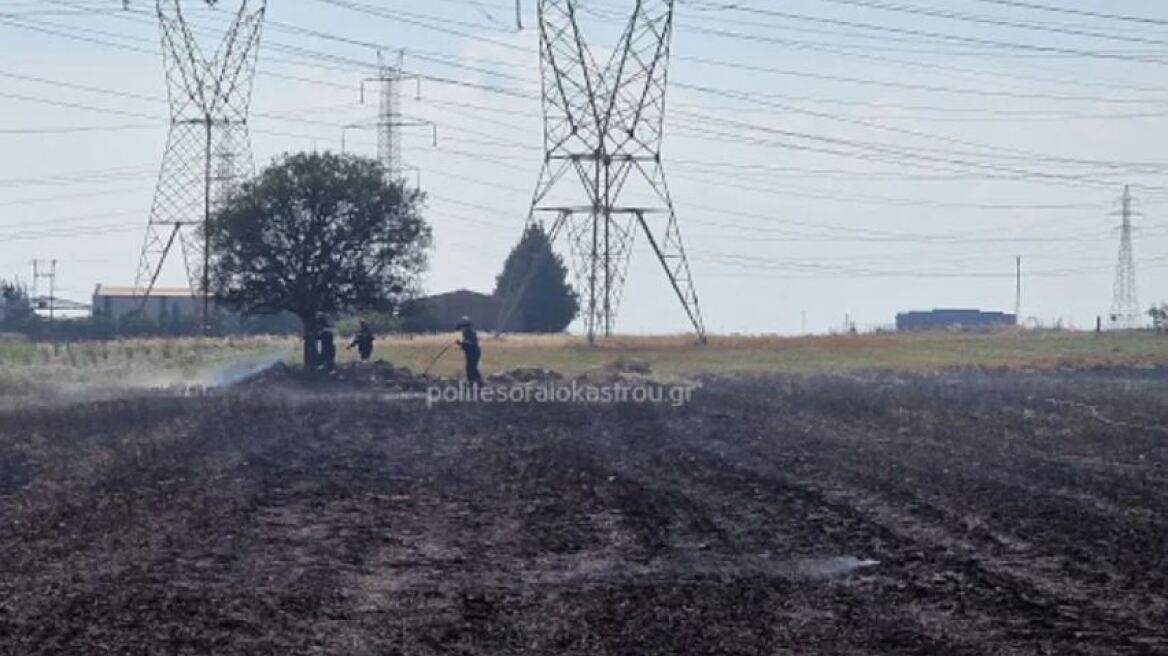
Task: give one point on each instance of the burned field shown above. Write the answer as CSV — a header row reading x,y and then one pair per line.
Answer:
x,y
958,513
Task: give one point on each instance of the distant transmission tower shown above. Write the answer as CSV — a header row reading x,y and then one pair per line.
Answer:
x,y
1125,305
603,129
208,150
390,119
389,124
44,270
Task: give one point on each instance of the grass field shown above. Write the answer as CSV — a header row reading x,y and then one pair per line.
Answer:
x,y
682,355
26,367
30,368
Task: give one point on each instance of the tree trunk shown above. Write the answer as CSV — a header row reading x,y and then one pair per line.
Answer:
x,y
311,343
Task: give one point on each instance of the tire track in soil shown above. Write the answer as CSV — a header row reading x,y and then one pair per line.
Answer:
x,y
835,479
651,569
784,520
1023,512
175,567
145,509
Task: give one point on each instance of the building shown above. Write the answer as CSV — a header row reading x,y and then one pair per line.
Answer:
x,y
442,312
163,303
947,319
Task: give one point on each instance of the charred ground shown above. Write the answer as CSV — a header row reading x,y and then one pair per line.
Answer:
x,y
1008,513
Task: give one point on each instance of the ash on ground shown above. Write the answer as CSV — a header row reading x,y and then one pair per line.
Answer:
x,y
382,376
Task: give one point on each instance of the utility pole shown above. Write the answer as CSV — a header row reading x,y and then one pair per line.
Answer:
x,y
208,149
1125,305
45,270
603,133
1018,294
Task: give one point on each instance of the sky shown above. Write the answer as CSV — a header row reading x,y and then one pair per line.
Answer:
x,y
829,160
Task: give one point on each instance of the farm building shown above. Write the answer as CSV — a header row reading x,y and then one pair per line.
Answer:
x,y
443,311
946,319
164,302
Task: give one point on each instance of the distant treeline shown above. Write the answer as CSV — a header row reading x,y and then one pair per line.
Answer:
x,y
17,316
96,328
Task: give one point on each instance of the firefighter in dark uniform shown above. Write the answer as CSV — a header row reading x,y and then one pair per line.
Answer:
x,y
328,346
364,342
470,348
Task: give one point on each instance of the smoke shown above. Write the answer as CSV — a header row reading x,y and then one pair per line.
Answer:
x,y
225,374
210,375
829,568
237,372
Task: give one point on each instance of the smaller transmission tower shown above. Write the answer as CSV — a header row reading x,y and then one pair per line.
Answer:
x,y
1125,305
390,119
44,270
389,126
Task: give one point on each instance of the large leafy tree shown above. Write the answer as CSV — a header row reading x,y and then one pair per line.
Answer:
x,y
318,234
534,283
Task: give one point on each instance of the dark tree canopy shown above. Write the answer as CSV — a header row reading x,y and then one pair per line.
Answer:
x,y
1159,316
548,304
318,234
16,309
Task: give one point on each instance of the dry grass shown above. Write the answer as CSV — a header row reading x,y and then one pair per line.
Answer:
x,y
680,355
27,368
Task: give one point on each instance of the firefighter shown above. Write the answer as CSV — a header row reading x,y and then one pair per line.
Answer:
x,y
328,346
364,342
470,348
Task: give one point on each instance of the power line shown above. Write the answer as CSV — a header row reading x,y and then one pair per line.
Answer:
x,y
991,20
140,97
952,37
1077,12
707,132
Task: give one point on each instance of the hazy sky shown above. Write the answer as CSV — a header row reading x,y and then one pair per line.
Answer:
x,y
827,157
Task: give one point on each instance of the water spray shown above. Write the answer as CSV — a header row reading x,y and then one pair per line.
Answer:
x,y
436,359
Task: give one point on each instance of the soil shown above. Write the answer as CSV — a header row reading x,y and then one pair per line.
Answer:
x,y
959,513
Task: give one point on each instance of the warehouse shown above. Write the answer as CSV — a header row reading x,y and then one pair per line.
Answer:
x,y
946,319
163,303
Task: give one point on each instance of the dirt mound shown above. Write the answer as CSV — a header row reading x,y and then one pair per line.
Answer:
x,y
379,375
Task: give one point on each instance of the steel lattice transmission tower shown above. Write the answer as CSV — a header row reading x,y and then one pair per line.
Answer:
x,y
603,129
390,119
208,150
389,133
1125,304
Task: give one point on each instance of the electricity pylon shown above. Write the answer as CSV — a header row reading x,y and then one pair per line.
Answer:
x,y
208,149
1125,304
389,126
603,129
390,119
44,270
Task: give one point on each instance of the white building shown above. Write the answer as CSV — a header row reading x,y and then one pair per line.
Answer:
x,y
164,302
